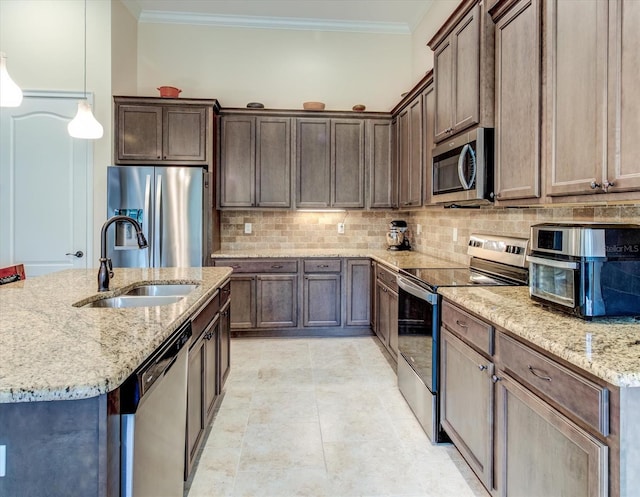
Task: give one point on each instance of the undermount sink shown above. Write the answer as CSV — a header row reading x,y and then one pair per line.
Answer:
x,y
135,301
157,290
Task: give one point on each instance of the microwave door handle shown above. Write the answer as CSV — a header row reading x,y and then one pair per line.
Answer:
x,y
461,160
552,262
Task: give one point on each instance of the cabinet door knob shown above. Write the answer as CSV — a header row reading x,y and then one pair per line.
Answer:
x,y
595,185
606,185
482,367
495,378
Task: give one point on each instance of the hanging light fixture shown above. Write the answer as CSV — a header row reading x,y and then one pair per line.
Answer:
x,y
84,125
10,93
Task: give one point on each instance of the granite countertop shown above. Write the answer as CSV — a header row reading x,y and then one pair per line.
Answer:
x,y
395,259
608,348
51,350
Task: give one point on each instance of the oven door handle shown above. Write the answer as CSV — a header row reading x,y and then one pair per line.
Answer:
x,y
552,262
416,291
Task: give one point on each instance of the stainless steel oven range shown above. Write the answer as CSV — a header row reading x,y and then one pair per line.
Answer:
x,y
494,261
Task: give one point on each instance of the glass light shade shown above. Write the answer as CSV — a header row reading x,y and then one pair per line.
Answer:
x,y
10,93
84,125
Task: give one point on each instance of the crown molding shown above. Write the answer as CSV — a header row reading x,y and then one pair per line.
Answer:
x,y
229,21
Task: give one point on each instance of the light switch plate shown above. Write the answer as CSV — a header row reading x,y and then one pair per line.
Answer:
x,y
455,234
341,228
247,228
418,229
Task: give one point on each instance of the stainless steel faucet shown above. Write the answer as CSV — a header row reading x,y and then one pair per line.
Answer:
x,y
106,267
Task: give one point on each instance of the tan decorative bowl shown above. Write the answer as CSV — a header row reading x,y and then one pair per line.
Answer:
x,y
313,105
169,91
358,108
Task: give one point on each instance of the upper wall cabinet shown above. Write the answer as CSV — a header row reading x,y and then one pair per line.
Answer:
x,y
518,97
463,70
152,130
380,140
255,161
330,158
592,102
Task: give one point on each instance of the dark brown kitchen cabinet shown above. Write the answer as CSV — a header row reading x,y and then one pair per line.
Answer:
x,y
592,105
154,131
322,296
277,301
386,303
518,98
224,359
329,163
255,161
466,403
463,70
383,190
358,292
410,149
428,120
243,303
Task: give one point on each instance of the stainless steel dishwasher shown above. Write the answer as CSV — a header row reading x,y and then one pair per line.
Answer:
x,y
153,417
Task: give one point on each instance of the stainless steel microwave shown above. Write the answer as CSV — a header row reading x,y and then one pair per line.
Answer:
x,y
463,168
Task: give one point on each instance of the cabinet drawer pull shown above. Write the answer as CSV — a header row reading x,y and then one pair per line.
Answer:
x,y
538,375
322,265
462,324
482,367
276,266
235,266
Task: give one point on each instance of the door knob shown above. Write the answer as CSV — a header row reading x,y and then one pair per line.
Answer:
x,y
79,254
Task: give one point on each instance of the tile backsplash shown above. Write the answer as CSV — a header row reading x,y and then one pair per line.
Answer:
x,y
366,229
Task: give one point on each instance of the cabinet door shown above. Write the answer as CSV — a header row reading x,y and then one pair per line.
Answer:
x,y
237,161
518,91
404,158
624,99
358,292
530,434
277,301
576,54
195,408
322,298
224,341
466,404
210,369
416,143
392,324
185,134
382,313
273,162
243,303
347,163
382,171
466,70
139,134
428,123
313,163
443,59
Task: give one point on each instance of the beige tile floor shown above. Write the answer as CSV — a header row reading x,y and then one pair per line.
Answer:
x,y
321,417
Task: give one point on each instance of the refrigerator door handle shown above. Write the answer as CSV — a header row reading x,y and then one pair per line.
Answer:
x,y
147,218
157,235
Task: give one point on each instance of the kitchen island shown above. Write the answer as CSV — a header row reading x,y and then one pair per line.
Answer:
x,y
58,363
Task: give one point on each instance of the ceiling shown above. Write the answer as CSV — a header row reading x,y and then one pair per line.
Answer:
x,y
379,16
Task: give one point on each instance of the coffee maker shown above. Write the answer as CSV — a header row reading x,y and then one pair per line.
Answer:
x,y
398,235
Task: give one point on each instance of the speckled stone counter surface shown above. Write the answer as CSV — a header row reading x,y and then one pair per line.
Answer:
x,y
609,348
51,350
396,259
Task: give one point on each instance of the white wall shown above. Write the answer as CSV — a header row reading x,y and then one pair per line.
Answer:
x,y
124,52
43,41
280,68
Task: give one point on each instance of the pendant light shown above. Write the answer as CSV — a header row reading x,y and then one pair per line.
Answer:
x,y
10,93
84,125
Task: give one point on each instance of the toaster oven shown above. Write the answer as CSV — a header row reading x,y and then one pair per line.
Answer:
x,y
587,270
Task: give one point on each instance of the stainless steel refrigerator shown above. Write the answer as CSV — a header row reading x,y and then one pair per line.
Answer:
x,y
168,202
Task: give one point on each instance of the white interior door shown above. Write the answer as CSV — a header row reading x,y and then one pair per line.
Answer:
x,y
45,192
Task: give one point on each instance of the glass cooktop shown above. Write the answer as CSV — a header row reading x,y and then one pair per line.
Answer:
x,y
454,277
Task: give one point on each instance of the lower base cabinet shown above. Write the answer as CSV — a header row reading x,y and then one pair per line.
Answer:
x,y
466,403
542,453
386,306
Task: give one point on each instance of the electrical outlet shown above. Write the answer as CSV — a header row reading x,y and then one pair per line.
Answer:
x,y
455,234
418,229
341,228
247,228
3,460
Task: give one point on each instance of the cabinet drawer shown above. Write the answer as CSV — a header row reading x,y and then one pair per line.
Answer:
x,y
471,329
581,397
322,265
260,265
205,315
387,277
